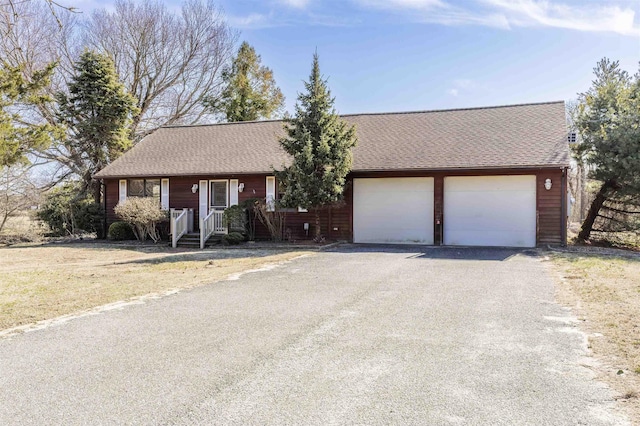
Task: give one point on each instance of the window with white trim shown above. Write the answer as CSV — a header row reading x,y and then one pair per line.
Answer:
x,y
271,193
144,188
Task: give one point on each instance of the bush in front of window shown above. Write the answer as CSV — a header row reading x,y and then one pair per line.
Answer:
x,y
143,214
120,231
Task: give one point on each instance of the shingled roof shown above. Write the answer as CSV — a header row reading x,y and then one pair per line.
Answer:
x,y
514,136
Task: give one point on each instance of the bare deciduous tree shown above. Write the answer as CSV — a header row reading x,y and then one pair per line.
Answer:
x,y
169,62
11,10
33,40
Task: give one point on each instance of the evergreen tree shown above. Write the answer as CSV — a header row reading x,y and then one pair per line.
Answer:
x,y
97,113
250,91
608,120
320,143
17,137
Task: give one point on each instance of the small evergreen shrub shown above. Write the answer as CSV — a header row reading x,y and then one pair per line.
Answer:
x,y
232,239
235,217
120,231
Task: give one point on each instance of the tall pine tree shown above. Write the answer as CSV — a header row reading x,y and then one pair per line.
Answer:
x,y
608,119
96,112
320,143
17,138
250,91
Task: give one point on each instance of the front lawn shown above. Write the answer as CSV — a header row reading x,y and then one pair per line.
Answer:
x,y
46,281
604,293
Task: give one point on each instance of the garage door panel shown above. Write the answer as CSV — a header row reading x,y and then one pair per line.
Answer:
x,y
393,210
485,183
494,238
490,210
483,212
396,235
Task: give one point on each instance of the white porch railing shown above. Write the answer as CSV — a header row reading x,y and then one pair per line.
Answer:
x,y
179,225
173,214
212,224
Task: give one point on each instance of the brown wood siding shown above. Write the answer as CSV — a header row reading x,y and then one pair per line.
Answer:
x,y
181,196
112,196
337,222
334,223
549,207
255,186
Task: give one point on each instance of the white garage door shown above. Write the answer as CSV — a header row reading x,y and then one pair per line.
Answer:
x,y
393,210
490,211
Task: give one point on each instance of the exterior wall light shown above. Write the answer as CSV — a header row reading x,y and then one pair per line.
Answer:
x,y
547,184
241,187
194,188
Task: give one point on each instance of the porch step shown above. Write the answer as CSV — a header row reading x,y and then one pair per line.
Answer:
x,y
192,240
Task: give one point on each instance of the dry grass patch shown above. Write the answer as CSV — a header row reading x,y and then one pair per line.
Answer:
x,y
43,282
21,228
604,292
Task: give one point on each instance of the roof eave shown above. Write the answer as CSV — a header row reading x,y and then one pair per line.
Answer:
x,y
472,168
358,170
165,175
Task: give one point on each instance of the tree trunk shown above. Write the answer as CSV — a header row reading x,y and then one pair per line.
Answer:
x,y
4,219
594,210
318,237
101,232
96,192
583,191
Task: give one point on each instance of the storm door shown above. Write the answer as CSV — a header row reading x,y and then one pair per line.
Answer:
x,y
219,195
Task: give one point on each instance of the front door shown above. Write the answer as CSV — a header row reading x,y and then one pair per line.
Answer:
x,y
219,194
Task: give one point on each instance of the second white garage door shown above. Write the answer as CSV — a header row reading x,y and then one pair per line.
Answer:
x,y
490,211
393,210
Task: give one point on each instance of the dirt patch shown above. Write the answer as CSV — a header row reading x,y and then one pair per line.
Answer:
x,y
604,292
44,282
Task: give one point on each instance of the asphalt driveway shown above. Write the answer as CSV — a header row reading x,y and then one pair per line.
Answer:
x,y
360,335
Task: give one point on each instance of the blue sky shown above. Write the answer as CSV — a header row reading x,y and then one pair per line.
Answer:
x,y
405,55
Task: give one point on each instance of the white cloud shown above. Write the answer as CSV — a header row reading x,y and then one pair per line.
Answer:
x,y
402,4
507,14
272,20
298,4
585,17
254,20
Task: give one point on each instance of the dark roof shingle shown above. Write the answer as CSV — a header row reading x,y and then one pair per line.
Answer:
x,y
531,135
